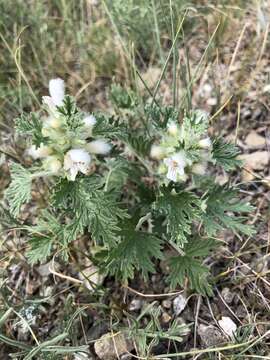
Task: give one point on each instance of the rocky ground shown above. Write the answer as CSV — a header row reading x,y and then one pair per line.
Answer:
x,y
113,319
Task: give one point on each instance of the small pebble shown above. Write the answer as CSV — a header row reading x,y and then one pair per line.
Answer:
x,y
108,348
135,305
210,335
228,326
166,304
179,304
165,317
227,295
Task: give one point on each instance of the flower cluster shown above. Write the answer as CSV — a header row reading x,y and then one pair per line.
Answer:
x,y
68,146
184,148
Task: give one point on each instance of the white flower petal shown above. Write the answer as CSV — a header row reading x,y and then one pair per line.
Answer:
x,y
47,100
76,160
79,156
205,143
89,121
172,174
40,152
57,91
227,325
176,166
73,173
83,168
98,147
173,129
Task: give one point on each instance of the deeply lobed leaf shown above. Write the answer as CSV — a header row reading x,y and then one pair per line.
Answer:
x,y
180,210
19,190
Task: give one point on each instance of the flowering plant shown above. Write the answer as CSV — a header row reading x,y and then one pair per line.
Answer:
x,y
148,187
63,144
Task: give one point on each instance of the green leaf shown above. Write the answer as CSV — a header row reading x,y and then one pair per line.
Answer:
x,y
108,127
225,154
134,252
73,116
140,144
160,117
190,266
19,190
121,98
90,207
41,247
180,210
30,124
48,232
222,208
194,127
120,170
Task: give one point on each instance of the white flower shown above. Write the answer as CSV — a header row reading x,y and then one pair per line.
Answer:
x,y
57,93
40,152
227,325
173,129
176,166
89,121
98,147
51,122
76,160
205,143
157,152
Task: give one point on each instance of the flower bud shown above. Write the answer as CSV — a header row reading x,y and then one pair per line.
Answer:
x,y
89,121
173,129
98,147
53,164
55,123
157,152
199,169
45,131
40,152
57,91
205,143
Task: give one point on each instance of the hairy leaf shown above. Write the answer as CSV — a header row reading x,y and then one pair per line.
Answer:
x,y
48,232
108,127
180,210
222,208
31,124
90,207
120,170
190,266
140,144
73,116
160,117
19,190
134,252
121,98
194,127
225,154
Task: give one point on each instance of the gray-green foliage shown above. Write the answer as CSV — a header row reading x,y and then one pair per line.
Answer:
x,y
131,212
19,191
181,210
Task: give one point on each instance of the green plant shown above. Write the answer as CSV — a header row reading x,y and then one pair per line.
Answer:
x,y
152,192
